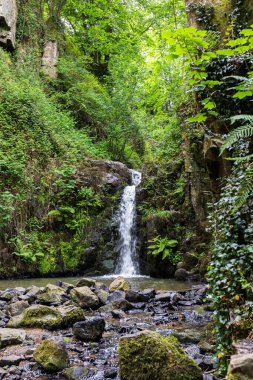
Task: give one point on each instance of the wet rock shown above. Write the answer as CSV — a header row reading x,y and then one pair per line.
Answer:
x,y
181,274
32,293
84,297
17,308
85,282
119,314
37,316
120,283
70,314
65,286
122,305
9,337
8,294
148,356
76,373
8,20
171,297
102,296
132,295
116,296
90,329
10,360
52,355
147,294
241,367
52,295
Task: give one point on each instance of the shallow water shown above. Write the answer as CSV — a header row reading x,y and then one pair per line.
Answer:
x,y
139,282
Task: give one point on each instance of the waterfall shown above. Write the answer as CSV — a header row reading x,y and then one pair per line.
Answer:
x,y
128,261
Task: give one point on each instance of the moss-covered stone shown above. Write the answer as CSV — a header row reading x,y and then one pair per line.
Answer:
x,y
120,283
70,314
148,356
38,316
51,355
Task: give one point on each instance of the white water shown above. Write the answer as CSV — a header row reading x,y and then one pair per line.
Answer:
x,y
128,261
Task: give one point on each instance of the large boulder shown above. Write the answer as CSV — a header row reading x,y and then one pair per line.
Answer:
x,y
241,367
52,295
148,355
52,355
8,20
38,316
120,283
85,297
90,329
17,308
85,282
9,337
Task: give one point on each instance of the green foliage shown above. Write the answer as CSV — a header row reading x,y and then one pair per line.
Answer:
x,y
164,247
230,272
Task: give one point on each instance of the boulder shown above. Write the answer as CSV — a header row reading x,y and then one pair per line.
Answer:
x,y
70,314
133,296
84,297
102,296
65,285
147,294
9,337
168,297
122,305
118,295
147,356
37,316
8,21
181,274
120,283
52,355
90,329
32,293
52,295
76,373
241,367
85,282
17,308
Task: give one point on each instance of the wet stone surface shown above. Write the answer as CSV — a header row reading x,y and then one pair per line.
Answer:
x,y
183,314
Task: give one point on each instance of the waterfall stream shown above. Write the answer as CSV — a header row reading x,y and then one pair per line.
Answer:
x,y
128,264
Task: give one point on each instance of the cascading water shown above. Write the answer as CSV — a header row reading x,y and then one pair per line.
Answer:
x,y
128,264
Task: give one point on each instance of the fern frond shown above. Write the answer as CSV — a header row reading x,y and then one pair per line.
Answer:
x,y
238,77
243,118
246,188
239,133
240,159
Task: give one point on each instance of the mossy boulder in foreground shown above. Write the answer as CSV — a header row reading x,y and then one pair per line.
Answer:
x,y
149,356
52,355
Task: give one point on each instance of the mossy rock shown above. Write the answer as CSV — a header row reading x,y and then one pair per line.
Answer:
x,y
148,355
51,355
38,316
70,314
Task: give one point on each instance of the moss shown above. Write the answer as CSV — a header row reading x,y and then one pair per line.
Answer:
x,y
148,356
70,314
51,356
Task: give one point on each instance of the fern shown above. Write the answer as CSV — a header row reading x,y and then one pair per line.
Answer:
x,y
239,133
246,188
246,118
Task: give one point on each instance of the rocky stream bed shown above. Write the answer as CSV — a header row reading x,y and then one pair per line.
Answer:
x,y
67,331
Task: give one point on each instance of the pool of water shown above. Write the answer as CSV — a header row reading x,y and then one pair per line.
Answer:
x,y
140,282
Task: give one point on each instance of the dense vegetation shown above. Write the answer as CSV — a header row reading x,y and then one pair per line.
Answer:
x,y
135,83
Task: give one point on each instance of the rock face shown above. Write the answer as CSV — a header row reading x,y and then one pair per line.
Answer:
x,y
148,356
8,20
52,355
90,329
241,367
50,59
119,284
9,337
84,297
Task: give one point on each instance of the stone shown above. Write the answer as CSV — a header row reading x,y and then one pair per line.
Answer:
x,y
118,295
52,355
122,305
50,59
65,285
17,308
32,293
120,283
91,329
86,282
76,373
8,21
132,295
181,274
241,367
70,314
188,335
52,295
102,296
167,297
84,297
10,360
118,314
147,294
147,355
37,316
9,337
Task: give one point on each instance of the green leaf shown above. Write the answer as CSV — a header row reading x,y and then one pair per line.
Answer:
x,y
199,118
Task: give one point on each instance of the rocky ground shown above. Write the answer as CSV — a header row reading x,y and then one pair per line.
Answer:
x,y
73,332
